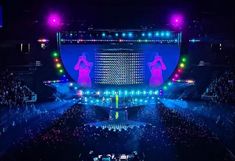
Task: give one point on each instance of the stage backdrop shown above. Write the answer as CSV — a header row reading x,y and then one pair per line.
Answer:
x,y
148,65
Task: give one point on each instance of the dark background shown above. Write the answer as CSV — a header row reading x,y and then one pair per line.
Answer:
x,y
26,19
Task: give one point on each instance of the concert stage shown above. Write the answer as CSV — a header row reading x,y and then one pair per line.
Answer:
x,y
118,70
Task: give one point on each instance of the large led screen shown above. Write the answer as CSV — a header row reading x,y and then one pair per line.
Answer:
x,y
92,65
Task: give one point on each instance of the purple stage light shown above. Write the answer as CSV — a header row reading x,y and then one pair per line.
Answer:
x,y
54,20
177,20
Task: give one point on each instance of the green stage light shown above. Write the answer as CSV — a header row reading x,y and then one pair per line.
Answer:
x,y
184,59
61,71
55,54
165,87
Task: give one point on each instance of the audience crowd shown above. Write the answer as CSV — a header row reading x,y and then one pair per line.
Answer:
x,y
167,136
13,92
222,89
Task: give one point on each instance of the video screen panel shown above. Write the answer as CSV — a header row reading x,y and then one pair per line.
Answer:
x,y
97,65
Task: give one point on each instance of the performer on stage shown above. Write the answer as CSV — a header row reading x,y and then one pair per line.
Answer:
x,y
156,67
84,68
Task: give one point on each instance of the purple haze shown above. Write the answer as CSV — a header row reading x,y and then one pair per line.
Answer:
x,y
177,20
54,20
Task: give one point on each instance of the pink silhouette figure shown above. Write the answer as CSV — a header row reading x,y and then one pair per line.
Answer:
x,y
84,69
156,67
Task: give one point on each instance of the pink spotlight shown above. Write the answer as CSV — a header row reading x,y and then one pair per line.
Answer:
x,y
177,20
54,20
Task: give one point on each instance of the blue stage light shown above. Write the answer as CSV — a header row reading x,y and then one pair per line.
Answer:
x,y
157,34
143,34
123,34
130,34
103,34
150,34
162,34
168,33
125,92
169,83
132,92
116,34
88,92
156,92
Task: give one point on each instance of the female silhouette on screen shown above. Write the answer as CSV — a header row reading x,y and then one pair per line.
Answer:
x,y
156,67
84,68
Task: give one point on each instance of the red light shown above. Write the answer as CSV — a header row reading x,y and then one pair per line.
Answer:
x,y
179,70
56,60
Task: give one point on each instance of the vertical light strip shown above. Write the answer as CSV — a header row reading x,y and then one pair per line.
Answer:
x,y
116,114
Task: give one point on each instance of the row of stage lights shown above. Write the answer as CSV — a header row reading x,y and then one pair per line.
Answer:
x,y
135,100
121,40
59,67
179,70
175,78
126,93
58,64
153,34
159,34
